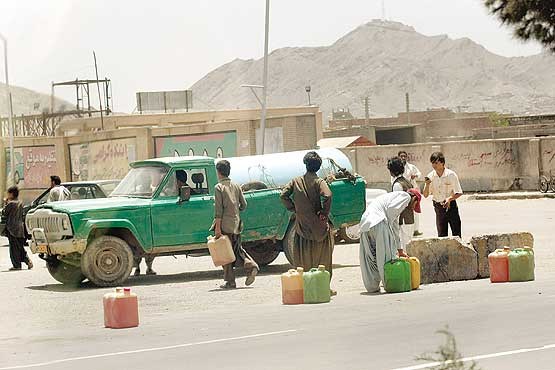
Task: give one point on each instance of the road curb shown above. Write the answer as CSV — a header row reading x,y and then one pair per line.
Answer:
x,y
507,196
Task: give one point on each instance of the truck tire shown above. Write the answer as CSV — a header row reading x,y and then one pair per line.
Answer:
x,y
64,272
350,234
107,261
289,243
264,253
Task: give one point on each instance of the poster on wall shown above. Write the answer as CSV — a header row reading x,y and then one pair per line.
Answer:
x,y
33,166
273,142
101,160
217,145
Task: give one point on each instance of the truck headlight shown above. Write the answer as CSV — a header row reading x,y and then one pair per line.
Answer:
x,y
65,224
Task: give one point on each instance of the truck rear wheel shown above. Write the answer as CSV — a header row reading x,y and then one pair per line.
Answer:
x,y
263,253
64,272
289,243
107,261
350,234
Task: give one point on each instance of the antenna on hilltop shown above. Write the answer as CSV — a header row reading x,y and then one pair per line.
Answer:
x,y
383,10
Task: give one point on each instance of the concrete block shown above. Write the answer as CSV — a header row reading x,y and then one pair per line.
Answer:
x,y
485,244
444,259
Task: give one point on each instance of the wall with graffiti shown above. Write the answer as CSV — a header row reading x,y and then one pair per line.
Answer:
x,y
217,145
33,166
480,165
102,160
548,156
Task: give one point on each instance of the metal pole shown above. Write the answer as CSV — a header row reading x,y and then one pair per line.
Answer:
x,y
10,110
99,97
265,78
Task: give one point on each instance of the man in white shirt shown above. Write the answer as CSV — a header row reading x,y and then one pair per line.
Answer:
x,y
379,234
412,173
57,192
445,188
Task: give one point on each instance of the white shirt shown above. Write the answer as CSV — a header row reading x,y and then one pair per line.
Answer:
x,y
443,187
410,170
57,194
386,207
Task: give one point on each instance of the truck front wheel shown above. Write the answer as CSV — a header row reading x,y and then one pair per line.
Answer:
x,y
107,261
64,272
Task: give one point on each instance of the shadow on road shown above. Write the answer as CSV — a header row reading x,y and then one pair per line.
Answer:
x,y
146,280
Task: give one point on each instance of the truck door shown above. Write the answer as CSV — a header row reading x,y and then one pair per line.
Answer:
x,y
175,223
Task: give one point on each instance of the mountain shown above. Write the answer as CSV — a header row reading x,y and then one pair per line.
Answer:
x,y
384,60
27,101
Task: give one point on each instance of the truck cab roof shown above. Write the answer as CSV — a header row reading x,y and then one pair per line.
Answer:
x,y
174,161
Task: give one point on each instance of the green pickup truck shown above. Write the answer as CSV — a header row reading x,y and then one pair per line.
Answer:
x,y
97,239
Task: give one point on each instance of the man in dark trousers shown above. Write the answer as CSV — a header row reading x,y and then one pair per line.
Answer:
x,y
13,214
229,201
309,197
444,186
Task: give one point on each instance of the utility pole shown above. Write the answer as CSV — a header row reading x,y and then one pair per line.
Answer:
x,y
265,78
99,97
367,108
10,110
407,102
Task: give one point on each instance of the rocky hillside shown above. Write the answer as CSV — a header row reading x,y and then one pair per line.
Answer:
x,y
27,101
383,60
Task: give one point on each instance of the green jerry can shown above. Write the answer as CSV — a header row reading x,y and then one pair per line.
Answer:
x,y
397,276
521,264
317,285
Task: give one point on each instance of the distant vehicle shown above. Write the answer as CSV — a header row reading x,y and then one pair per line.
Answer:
x,y
79,190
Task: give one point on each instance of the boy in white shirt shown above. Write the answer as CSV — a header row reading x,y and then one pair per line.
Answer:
x,y
444,186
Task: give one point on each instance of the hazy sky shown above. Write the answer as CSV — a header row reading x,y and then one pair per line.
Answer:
x,y
169,45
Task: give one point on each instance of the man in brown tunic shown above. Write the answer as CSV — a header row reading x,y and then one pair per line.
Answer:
x,y
229,201
311,203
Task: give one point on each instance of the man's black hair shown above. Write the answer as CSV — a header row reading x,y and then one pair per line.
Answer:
x,y
181,175
312,161
396,166
14,191
437,157
402,152
56,179
223,167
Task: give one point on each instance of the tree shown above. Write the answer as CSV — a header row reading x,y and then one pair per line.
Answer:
x,y
531,19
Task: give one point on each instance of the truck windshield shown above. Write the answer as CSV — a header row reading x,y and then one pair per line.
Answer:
x,y
140,182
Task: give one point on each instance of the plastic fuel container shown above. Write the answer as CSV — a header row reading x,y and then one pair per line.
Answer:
x,y
292,284
317,285
397,276
220,250
121,309
498,261
414,272
521,264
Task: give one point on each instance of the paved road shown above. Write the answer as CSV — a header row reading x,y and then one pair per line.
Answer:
x,y
187,322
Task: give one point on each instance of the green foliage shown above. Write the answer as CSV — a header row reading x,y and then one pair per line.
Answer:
x,y
498,120
531,19
447,356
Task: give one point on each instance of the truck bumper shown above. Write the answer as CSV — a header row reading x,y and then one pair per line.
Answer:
x,y
39,244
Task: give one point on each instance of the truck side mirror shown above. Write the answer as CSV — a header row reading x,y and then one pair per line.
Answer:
x,y
184,194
